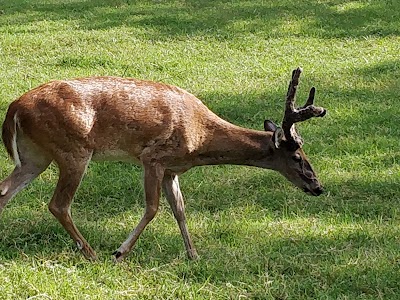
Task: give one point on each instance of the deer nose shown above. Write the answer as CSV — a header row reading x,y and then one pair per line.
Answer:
x,y
318,191
315,192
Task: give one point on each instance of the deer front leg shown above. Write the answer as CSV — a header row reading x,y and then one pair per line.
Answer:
x,y
153,175
174,196
60,204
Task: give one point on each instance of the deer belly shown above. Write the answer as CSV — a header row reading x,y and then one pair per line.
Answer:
x,y
114,155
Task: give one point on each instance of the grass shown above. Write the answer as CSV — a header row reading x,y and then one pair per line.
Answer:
x,y
258,237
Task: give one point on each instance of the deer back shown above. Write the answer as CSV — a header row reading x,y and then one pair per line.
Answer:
x,y
115,117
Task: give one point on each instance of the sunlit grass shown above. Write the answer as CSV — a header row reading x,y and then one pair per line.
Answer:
x,y
258,236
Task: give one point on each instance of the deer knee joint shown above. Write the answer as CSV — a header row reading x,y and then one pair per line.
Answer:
x,y
151,211
58,211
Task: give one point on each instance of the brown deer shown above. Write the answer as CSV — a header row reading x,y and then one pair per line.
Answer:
x,y
164,128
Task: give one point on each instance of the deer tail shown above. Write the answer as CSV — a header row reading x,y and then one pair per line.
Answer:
x,y
9,134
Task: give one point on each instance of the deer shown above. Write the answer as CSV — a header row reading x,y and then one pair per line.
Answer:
x,y
161,127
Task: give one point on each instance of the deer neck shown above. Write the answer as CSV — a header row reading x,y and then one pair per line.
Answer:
x,y
231,144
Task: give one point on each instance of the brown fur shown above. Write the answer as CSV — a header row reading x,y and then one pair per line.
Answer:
x,y
162,127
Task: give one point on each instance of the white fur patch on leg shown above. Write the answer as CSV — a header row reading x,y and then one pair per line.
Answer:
x,y
79,245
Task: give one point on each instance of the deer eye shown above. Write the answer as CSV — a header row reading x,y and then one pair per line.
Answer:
x,y
297,157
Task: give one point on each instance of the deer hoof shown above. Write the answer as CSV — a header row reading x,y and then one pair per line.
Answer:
x,y
192,255
117,256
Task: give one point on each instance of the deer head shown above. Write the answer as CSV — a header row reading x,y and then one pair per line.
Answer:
x,y
289,157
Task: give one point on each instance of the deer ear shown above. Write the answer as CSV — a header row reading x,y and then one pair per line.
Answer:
x,y
270,126
277,137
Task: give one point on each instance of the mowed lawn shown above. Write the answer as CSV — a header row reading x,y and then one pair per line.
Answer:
x,y
258,236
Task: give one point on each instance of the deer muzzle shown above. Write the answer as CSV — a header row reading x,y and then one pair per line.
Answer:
x,y
314,192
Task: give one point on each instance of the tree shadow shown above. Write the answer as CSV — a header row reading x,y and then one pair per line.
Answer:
x,y
218,19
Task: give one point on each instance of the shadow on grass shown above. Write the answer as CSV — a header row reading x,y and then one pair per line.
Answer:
x,y
219,19
357,200
350,261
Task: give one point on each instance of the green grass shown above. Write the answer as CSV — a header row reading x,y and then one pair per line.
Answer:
x,y
258,237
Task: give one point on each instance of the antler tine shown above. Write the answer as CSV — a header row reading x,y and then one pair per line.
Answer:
x,y
310,100
291,93
290,110
293,115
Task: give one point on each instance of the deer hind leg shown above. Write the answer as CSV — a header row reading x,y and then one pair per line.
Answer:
x,y
174,196
72,169
153,175
33,162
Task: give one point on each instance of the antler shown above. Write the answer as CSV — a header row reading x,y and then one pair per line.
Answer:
x,y
293,115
